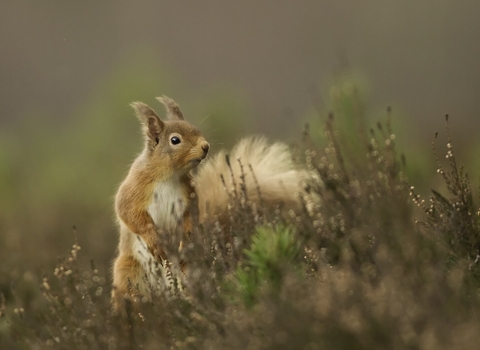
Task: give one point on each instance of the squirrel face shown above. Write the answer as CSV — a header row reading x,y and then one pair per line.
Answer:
x,y
172,144
183,143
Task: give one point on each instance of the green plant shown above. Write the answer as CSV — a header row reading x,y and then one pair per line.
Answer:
x,y
273,251
350,268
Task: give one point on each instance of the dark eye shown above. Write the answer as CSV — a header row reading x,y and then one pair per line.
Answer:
x,y
175,140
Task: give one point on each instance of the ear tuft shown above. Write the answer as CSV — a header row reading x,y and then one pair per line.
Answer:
x,y
142,111
147,116
173,110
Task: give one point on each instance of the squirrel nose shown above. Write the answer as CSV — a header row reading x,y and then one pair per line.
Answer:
x,y
205,147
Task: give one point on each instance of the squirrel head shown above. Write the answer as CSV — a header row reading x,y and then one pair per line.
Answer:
x,y
172,143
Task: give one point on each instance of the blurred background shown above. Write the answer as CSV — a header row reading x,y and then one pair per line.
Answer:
x,y
70,69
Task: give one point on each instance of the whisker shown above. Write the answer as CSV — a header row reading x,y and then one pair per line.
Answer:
x,y
212,131
205,119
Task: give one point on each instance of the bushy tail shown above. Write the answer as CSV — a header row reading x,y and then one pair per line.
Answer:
x,y
268,171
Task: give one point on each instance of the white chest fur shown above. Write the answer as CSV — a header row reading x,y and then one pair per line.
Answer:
x,y
158,277
168,204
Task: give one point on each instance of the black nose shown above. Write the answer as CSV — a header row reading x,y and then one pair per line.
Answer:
x,y
205,147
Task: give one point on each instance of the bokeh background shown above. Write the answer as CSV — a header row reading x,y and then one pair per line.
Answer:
x,y
69,69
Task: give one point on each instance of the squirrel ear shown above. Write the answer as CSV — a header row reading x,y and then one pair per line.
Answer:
x,y
173,110
149,119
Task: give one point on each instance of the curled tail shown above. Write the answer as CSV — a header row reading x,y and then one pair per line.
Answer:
x,y
267,171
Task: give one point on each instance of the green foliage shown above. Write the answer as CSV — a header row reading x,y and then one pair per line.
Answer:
x,y
59,171
356,265
346,103
348,269
272,252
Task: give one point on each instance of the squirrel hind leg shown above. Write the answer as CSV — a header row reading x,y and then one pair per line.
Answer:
x,y
127,281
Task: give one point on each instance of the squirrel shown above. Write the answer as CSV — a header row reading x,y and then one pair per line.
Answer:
x,y
157,194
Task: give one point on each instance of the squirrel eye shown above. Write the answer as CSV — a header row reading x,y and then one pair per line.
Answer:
x,y
175,140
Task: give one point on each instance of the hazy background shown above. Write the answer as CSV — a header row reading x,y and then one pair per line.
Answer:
x,y
423,56
69,69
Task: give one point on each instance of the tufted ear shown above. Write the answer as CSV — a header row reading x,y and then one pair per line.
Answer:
x,y
173,110
152,123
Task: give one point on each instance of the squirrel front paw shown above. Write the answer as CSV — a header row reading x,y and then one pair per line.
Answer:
x,y
158,254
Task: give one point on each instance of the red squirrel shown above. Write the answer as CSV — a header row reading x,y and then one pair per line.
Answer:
x,y
157,193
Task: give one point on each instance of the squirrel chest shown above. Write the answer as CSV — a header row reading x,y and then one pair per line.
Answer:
x,y
168,204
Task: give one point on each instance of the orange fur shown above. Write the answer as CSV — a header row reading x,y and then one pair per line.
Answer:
x,y
157,194
154,198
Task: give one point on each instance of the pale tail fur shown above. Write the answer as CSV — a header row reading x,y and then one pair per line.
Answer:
x,y
274,172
